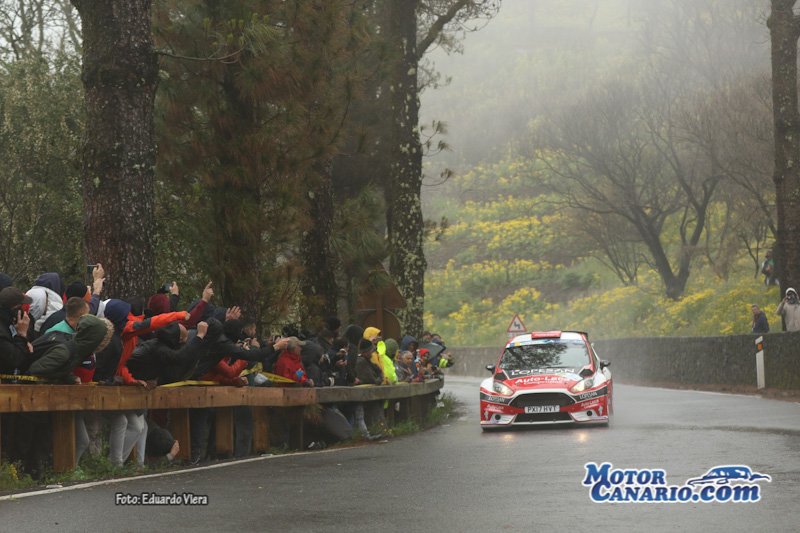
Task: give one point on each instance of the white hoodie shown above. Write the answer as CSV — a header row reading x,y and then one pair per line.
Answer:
x,y
45,303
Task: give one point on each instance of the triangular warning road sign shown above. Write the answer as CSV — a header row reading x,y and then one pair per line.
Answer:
x,y
516,326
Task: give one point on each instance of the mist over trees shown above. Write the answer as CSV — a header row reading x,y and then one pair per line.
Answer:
x,y
293,150
651,130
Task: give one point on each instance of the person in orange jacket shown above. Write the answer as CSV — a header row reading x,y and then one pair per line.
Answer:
x,y
133,429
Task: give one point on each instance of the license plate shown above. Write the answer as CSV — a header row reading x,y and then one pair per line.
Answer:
x,y
542,409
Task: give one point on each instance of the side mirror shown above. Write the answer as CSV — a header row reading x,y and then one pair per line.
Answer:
x,y
491,368
604,364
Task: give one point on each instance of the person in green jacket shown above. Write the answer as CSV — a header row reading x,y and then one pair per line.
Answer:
x,y
387,361
75,308
92,334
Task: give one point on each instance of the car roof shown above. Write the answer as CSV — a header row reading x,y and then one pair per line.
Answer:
x,y
536,335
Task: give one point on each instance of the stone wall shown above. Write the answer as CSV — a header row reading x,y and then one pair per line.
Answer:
x,y
725,360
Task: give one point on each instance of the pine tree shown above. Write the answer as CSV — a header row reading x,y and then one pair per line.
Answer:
x,y
120,77
253,131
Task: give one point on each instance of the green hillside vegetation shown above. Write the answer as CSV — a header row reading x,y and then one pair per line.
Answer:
x,y
611,173
512,254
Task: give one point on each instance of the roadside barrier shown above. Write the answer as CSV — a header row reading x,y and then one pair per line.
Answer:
x,y
63,400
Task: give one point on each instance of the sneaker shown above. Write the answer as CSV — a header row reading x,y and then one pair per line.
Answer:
x,y
194,461
78,475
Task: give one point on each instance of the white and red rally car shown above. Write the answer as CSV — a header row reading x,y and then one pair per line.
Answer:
x,y
549,377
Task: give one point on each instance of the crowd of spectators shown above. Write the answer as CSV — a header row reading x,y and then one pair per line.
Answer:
x,y
53,333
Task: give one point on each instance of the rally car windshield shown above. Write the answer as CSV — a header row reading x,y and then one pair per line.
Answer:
x,y
555,353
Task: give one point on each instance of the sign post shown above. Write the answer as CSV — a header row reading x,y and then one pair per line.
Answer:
x,y
516,327
760,379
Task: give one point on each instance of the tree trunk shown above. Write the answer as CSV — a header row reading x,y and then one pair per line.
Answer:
x,y
404,211
120,77
784,28
319,288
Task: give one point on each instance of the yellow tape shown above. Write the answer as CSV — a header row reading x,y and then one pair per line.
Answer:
x,y
27,378
189,382
278,379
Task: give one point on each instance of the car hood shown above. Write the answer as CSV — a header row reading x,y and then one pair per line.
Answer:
x,y
540,378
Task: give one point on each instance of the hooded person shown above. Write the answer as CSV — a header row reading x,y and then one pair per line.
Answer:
x,y
391,348
208,311
130,326
159,303
353,333
14,325
789,309
373,335
47,295
59,362
5,281
387,350
333,324
224,347
168,358
409,343
315,358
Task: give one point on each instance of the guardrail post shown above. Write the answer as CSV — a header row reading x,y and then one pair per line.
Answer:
x,y
179,427
295,415
416,409
224,429
404,411
760,378
63,441
260,429
389,412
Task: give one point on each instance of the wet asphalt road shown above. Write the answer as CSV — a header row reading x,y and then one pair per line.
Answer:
x,y
456,478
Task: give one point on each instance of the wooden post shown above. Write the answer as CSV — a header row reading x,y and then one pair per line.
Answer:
x,y
415,409
224,429
295,415
379,311
63,441
404,412
261,429
179,427
389,413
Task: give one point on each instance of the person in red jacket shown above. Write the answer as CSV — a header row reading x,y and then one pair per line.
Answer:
x,y
290,364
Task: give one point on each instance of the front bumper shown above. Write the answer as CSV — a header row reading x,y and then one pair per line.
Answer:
x,y
571,409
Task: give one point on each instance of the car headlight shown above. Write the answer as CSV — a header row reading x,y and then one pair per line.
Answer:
x,y
581,386
502,388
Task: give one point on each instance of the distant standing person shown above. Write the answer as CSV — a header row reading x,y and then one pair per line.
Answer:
x,y
760,324
789,309
768,269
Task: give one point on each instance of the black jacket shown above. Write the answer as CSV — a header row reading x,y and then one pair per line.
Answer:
x,y
164,359
107,360
354,334
221,347
367,372
13,349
